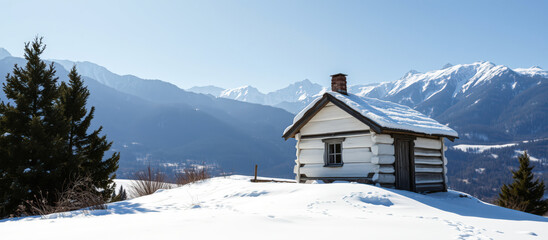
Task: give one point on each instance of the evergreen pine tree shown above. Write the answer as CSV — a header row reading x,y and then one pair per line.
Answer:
x,y
85,151
31,132
44,139
524,194
121,196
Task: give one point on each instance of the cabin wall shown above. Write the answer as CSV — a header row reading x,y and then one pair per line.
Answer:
x,y
365,154
430,165
356,147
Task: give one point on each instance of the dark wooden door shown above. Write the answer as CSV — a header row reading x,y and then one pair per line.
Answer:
x,y
404,164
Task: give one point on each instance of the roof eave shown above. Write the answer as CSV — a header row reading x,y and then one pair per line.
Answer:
x,y
306,117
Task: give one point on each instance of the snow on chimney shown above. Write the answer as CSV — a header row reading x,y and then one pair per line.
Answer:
x,y
338,83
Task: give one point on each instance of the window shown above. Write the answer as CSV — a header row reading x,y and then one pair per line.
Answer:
x,y
333,152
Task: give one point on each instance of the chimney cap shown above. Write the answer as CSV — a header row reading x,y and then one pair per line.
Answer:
x,y
338,74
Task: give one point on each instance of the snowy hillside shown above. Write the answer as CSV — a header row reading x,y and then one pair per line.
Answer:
x,y
234,208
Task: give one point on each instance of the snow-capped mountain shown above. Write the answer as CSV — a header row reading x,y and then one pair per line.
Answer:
x,y
415,88
297,92
244,94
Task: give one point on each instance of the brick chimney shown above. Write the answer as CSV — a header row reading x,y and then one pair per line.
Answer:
x,y
338,83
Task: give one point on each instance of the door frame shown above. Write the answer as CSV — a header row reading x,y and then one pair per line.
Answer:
x,y
411,140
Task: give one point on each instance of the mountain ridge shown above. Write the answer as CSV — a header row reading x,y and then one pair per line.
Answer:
x,y
155,122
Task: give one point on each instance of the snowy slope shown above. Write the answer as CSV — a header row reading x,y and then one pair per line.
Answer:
x,y
234,208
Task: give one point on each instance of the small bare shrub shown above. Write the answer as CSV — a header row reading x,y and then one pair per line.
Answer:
x,y
78,194
149,181
190,175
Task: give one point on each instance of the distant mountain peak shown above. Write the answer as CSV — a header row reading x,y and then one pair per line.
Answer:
x,y
306,80
409,73
447,65
4,53
487,63
209,89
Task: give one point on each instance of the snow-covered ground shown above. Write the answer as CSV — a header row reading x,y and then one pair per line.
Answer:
x,y
128,184
234,208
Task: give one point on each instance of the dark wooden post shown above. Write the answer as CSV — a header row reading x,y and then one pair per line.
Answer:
x,y
255,180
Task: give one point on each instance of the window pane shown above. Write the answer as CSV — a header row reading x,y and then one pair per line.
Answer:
x,y
338,158
337,148
331,148
331,159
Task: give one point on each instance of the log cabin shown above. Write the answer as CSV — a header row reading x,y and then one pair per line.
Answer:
x,y
342,136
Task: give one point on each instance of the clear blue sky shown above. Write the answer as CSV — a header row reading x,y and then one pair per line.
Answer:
x,y
270,44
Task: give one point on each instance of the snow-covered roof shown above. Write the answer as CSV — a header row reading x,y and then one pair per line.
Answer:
x,y
387,115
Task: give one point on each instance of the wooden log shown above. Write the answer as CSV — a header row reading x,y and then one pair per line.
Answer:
x,y
315,143
311,156
347,170
428,169
431,187
427,152
356,155
330,112
425,177
428,160
382,149
435,179
353,155
428,143
363,141
383,159
386,169
382,138
337,125
356,141
384,178
430,181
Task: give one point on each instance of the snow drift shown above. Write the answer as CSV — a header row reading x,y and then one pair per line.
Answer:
x,y
234,208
